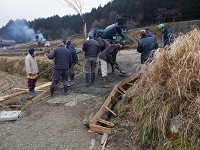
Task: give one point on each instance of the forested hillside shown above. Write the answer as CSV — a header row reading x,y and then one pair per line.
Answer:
x,y
139,13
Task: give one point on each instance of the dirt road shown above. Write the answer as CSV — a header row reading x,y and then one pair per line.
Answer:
x,y
57,123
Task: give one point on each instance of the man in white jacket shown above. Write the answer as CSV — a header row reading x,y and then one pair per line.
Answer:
x,y
31,70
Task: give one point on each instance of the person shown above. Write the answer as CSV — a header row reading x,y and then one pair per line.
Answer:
x,y
71,48
168,37
103,44
108,56
31,70
149,34
91,49
63,61
145,46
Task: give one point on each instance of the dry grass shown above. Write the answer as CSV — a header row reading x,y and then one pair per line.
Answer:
x,y
170,86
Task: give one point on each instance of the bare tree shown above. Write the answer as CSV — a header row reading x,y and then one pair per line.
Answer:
x,y
77,6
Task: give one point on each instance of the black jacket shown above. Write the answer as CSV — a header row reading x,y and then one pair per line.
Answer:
x,y
110,53
103,44
91,48
63,57
145,46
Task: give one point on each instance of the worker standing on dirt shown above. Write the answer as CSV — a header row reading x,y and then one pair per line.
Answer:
x,y
91,49
108,56
63,61
31,70
103,44
145,46
168,37
149,34
71,48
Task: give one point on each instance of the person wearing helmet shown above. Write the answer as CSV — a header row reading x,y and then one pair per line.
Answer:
x,y
168,37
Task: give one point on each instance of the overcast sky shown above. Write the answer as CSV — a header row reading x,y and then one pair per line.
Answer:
x,y
31,9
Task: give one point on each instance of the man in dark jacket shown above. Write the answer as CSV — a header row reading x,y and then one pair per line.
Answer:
x,y
103,44
63,61
168,37
145,46
91,49
108,56
71,48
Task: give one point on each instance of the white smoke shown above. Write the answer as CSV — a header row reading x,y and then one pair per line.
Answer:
x,y
40,36
20,31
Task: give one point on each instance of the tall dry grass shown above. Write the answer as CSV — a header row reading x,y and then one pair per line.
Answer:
x,y
170,86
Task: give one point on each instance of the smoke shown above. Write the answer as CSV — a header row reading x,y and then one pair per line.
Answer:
x,y
20,31
39,36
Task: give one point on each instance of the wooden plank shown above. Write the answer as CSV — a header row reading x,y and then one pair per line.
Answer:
x,y
110,111
130,83
119,91
36,99
106,122
28,89
99,129
122,89
113,92
43,86
12,95
91,116
23,92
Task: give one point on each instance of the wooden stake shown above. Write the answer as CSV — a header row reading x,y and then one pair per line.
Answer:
x,y
104,144
110,111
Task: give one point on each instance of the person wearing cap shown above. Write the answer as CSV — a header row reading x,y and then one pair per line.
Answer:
x,y
149,34
91,49
145,46
168,37
62,60
108,56
71,48
31,70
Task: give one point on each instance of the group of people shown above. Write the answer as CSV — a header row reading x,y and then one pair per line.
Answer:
x,y
106,53
65,58
147,44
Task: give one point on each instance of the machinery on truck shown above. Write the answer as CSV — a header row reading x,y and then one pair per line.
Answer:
x,y
114,33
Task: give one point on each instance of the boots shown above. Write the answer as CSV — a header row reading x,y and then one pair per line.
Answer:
x,y
65,89
105,83
31,91
52,91
87,76
92,78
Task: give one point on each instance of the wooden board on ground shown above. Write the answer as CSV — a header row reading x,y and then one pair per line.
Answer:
x,y
23,92
123,86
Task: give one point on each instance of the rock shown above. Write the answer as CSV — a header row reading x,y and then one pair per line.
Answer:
x,y
92,144
104,137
